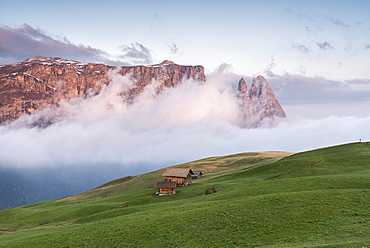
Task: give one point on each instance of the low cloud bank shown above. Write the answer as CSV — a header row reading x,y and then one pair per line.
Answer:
x,y
124,143
189,122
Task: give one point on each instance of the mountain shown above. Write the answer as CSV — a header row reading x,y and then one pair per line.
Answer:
x,y
30,86
258,103
317,198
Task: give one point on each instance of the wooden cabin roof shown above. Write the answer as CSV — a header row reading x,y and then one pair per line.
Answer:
x,y
197,174
165,185
177,172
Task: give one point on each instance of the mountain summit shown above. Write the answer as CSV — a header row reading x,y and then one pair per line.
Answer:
x,y
258,103
30,86
167,62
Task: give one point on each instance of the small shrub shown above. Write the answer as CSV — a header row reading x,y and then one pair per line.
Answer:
x,y
211,191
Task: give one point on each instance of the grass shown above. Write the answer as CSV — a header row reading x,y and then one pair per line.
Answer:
x,y
319,198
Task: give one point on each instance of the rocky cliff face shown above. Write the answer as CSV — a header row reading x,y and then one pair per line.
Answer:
x,y
258,103
31,85
34,84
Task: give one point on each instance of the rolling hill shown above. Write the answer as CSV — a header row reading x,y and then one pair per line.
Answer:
x,y
318,198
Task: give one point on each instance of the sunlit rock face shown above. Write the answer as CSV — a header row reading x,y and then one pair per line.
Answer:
x,y
258,103
44,83
32,85
242,92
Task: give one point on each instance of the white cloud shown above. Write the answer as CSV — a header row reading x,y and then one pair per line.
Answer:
x,y
173,48
324,45
339,22
125,141
136,53
301,48
185,123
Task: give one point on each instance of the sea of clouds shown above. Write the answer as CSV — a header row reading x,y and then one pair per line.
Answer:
x,y
189,122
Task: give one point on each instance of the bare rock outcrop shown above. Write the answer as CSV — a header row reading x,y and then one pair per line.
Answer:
x,y
258,103
32,85
243,93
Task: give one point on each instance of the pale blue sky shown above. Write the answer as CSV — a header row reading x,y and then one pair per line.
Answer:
x,y
314,38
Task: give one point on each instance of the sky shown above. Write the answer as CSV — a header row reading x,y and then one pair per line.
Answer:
x,y
314,38
315,55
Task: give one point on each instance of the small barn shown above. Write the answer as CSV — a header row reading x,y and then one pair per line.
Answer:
x,y
166,188
182,176
197,174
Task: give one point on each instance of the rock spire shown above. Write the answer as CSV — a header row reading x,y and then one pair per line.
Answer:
x,y
258,103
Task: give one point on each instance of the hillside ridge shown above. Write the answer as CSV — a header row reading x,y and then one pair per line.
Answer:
x,y
207,165
324,205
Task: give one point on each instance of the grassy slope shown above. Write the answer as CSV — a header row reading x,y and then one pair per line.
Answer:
x,y
212,167
316,198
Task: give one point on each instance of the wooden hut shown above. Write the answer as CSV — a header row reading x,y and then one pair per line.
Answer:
x,y
166,188
182,176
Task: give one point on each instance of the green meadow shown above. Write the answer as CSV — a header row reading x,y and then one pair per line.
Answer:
x,y
319,198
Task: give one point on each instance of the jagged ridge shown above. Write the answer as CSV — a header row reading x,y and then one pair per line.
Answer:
x,y
32,85
258,103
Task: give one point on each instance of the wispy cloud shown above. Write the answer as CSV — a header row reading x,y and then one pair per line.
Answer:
x,y
156,20
288,11
314,30
21,43
338,22
173,48
271,65
301,48
136,53
348,48
324,45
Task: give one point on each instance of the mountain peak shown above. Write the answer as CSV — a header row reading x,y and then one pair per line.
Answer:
x,y
242,86
167,62
42,58
258,102
39,58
